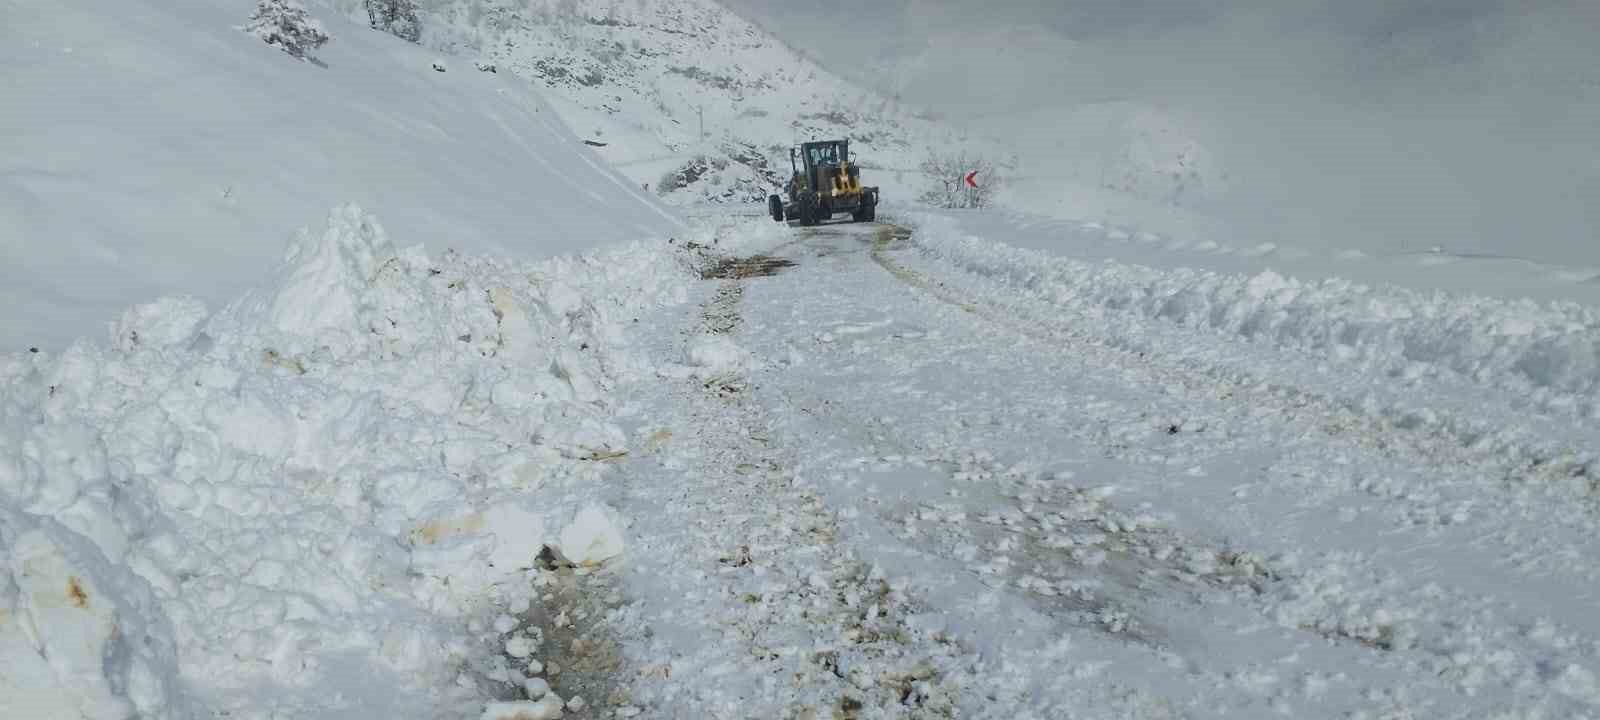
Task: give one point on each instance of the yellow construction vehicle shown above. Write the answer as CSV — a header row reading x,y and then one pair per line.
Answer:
x,y
825,182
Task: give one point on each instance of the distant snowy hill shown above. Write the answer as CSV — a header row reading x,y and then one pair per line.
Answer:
x,y
153,147
686,96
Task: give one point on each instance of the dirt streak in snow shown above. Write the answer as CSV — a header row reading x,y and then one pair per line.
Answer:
x,y
761,609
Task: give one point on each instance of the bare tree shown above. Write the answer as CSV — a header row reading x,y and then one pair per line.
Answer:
x,y
947,173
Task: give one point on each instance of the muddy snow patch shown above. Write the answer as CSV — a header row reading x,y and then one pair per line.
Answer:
x,y
559,651
746,267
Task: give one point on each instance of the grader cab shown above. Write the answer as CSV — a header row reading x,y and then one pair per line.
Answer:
x,y
825,182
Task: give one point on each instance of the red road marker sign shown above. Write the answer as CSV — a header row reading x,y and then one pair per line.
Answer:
x,y
970,176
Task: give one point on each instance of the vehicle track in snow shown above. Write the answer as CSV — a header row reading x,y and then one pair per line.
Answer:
x,y
1508,470
858,502
1316,481
758,607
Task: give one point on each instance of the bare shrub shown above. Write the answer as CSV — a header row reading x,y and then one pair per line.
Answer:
x,y
947,173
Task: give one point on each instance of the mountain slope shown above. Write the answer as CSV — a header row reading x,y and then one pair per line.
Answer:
x,y
157,149
668,85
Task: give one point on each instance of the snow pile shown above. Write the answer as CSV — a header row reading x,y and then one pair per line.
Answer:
x,y
1547,352
325,480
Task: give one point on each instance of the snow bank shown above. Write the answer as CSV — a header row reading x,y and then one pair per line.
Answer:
x,y
324,479
1548,352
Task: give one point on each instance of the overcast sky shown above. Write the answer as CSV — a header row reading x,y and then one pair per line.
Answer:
x,y
1473,124
1164,46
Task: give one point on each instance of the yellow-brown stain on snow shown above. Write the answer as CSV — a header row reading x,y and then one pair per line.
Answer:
x,y
432,532
75,593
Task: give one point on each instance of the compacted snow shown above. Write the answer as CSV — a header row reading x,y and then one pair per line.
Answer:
x,y
951,478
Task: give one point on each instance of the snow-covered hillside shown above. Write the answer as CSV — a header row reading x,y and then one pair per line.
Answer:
x,y
688,98
152,146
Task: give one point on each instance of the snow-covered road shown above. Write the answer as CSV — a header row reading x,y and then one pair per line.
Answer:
x,y
869,481
866,471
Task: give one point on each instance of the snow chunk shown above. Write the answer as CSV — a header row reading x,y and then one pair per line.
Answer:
x,y
516,330
480,548
717,354
162,323
547,708
77,637
520,647
518,535
592,538
326,279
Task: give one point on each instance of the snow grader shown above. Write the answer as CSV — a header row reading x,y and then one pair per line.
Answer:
x,y
824,184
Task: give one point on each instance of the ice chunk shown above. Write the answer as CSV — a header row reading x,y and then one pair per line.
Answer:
x,y
546,708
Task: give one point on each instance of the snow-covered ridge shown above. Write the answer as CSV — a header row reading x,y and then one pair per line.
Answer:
x,y
324,480
1547,352
668,84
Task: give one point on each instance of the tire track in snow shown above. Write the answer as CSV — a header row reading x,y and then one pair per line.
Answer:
x,y
1564,477
1427,432
1339,426
761,609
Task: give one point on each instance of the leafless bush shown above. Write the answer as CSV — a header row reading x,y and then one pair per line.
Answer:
x,y
947,173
